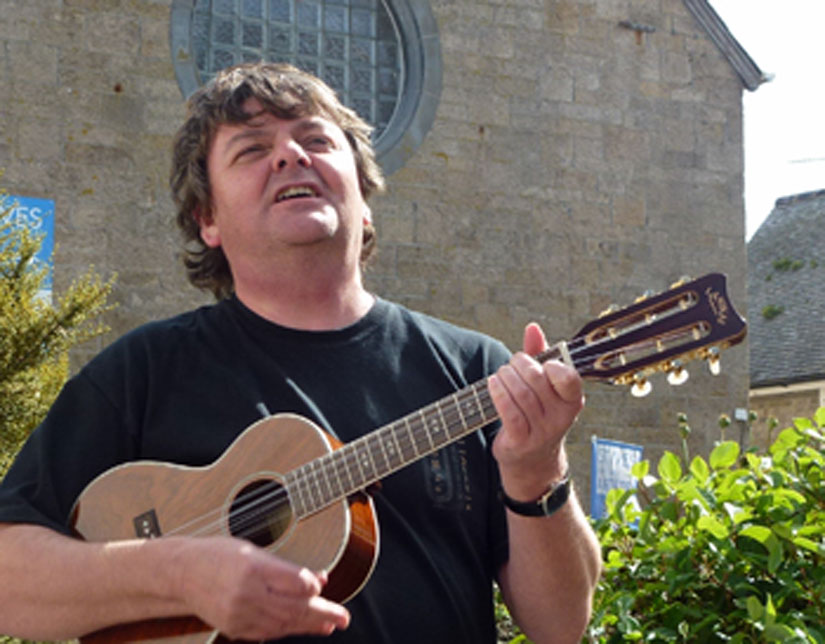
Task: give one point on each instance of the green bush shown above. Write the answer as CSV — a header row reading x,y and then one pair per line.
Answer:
x,y
35,336
725,550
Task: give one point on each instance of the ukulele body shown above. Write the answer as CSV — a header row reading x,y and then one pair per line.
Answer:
x,y
148,499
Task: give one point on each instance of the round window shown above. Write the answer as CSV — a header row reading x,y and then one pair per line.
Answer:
x,y
381,56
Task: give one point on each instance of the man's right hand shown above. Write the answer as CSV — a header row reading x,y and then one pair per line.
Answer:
x,y
247,593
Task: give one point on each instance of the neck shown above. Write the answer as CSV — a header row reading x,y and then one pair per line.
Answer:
x,y
306,304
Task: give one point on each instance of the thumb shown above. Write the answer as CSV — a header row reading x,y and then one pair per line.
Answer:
x,y
534,340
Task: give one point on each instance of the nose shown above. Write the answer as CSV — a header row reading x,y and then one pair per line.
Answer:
x,y
290,152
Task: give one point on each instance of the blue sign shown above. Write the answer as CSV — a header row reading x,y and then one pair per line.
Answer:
x,y
38,216
610,465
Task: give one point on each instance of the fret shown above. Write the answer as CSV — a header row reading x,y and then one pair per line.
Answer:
x,y
412,436
401,433
391,457
392,451
453,420
457,405
313,489
350,464
323,466
331,475
394,429
439,426
371,457
376,452
306,493
423,425
339,468
296,495
470,408
480,404
364,461
322,482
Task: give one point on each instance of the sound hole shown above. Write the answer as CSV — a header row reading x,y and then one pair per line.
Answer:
x,y
260,513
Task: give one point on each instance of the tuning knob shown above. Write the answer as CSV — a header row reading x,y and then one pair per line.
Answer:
x,y
681,281
644,296
610,309
714,363
677,374
641,386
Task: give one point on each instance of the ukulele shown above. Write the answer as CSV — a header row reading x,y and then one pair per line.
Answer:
x,y
288,486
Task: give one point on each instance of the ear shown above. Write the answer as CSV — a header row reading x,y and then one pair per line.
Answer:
x,y
367,215
209,232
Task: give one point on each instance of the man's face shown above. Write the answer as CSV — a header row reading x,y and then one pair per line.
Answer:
x,y
281,186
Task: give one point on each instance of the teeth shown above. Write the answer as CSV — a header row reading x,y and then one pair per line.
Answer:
x,y
296,191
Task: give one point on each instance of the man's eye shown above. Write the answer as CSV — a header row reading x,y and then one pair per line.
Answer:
x,y
317,142
249,150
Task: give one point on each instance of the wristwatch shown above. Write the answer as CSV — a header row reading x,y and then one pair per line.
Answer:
x,y
545,505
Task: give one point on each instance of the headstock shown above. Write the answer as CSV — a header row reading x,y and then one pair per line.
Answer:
x,y
659,333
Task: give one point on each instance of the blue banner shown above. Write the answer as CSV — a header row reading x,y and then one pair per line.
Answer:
x,y
610,465
38,216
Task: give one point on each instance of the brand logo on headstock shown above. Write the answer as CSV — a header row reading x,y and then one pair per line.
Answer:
x,y
718,305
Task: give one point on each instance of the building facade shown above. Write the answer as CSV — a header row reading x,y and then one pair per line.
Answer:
x,y
558,156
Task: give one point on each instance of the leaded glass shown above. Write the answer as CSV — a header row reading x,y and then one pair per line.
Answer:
x,y
253,9
352,44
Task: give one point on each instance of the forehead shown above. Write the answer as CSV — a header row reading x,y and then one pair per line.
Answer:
x,y
257,118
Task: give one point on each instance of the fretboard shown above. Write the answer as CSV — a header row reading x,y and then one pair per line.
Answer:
x,y
357,465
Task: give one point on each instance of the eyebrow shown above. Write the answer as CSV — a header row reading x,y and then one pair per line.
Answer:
x,y
252,128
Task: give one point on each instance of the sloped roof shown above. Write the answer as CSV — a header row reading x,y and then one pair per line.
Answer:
x,y
786,279
752,77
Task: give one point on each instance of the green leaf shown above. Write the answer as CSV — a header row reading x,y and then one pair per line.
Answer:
x,y
787,439
712,525
755,609
803,423
757,532
700,470
779,633
770,611
724,455
819,417
670,469
754,461
774,554
735,512
808,544
640,469
782,530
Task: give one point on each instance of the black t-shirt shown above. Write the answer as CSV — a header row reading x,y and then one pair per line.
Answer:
x,y
181,390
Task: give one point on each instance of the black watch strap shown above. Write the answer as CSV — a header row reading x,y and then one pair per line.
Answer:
x,y
545,505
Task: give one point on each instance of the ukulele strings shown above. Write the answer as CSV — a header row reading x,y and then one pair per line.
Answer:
x,y
253,511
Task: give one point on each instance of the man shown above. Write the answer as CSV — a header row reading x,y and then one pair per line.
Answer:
x,y
271,176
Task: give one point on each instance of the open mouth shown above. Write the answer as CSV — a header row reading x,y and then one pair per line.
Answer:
x,y
295,192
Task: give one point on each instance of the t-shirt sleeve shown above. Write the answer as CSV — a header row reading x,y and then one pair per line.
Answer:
x,y
82,435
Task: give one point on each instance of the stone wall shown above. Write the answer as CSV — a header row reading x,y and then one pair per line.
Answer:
x,y
784,405
573,162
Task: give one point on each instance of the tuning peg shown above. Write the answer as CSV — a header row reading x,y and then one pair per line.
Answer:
x,y
681,281
712,356
610,309
676,373
641,386
644,296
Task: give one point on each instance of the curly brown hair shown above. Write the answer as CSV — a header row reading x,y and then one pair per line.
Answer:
x,y
288,93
